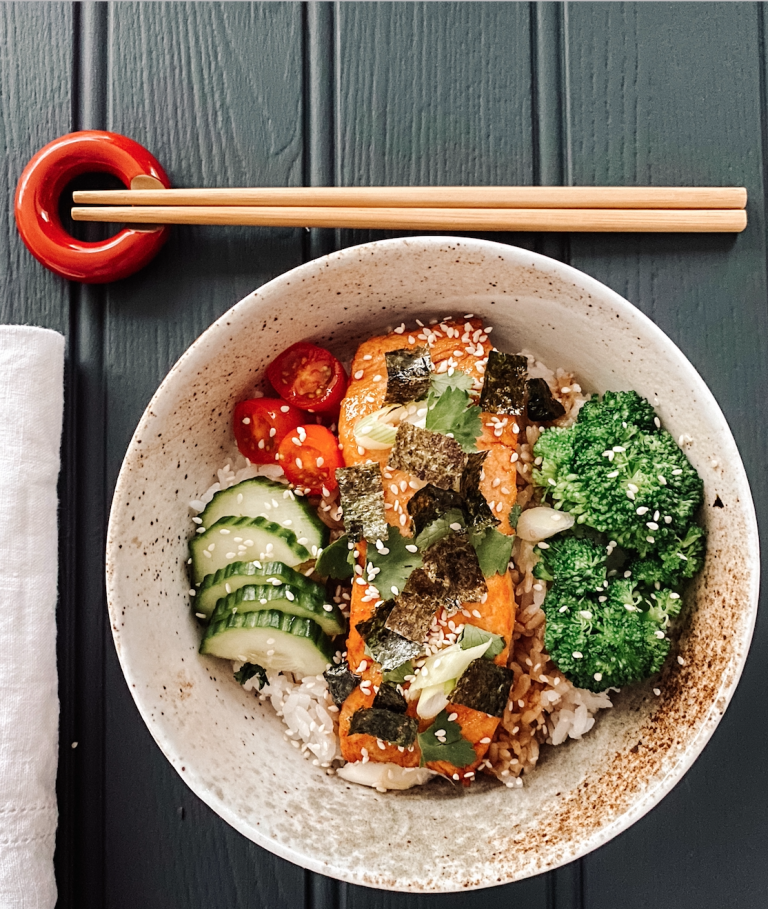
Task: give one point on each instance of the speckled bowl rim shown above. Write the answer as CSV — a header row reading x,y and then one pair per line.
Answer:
x,y
720,699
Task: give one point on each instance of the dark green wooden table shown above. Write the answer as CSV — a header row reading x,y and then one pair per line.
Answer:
x,y
364,93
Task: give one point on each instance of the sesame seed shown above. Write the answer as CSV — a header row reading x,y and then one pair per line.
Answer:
x,y
246,421
455,526
651,539
598,676
377,378
577,655
681,661
656,692
285,408
411,548
543,545
642,510
359,374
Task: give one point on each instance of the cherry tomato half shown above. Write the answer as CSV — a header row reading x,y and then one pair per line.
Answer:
x,y
308,377
261,424
309,456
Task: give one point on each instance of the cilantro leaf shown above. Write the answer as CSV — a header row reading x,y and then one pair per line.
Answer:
x,y
441,381
452,414
440,528
395,563
472,636
397,676
248,671
514,515
337,560
452,747
493,549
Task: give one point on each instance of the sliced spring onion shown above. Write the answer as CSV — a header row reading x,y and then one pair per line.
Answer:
x,y
434,699
447,664
537,524
377,431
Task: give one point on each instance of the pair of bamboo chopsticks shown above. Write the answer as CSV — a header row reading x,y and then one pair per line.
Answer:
x,y
480,208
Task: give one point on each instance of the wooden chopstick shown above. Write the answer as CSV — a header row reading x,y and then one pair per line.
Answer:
x,y
525,197
492,219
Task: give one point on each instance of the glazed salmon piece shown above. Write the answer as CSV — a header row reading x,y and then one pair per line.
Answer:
x,y
476,727
365,394
368,373
356,747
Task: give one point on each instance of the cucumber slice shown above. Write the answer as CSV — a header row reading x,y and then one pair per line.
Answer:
x,y
288,599
233,539
274,640
231,578
260,497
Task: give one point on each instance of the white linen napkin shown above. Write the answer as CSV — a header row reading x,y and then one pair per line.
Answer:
x,y
31,405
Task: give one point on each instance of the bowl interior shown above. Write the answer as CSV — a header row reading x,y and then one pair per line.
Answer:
x,y
230,749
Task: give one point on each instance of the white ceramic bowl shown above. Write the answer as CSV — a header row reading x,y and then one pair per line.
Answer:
x,y
230,749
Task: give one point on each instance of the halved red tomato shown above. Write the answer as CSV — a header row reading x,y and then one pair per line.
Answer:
x,y
261,424
309,377
309,456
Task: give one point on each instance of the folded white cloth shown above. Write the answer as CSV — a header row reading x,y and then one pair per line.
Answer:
x,y
31,404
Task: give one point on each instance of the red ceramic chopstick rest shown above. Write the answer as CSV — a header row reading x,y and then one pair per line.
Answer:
x,y
44,179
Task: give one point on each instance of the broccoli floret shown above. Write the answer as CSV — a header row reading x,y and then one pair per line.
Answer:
x,y
621,408
576,563
680,559
618,472
611,639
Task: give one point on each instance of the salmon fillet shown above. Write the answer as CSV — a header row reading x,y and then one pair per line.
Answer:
x,y
452,345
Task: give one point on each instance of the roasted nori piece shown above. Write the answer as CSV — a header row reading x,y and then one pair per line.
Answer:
x,y
395,728
505,388
453,562
430,503
476,507
388,648
362,502
408,373
484,686
416,606
430,456
542,407
389,698
341,682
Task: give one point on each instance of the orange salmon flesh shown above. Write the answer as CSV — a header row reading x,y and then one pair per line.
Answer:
x,y
462,345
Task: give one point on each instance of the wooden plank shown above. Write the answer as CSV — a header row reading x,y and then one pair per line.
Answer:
x,y
36,94
36,98
434,94
215,91
671,93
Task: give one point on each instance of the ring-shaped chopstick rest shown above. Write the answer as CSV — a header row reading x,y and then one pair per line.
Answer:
x,y
37,206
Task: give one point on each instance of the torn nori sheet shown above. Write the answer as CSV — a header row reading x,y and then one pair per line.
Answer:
x,y
416,606
505,388
394,728
389,698
408,373
430,503
476,507
542,406
430,456
483,686
341,682
453,561
388,648
362,502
